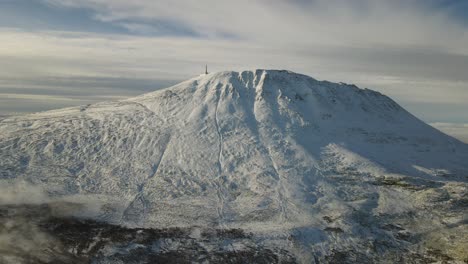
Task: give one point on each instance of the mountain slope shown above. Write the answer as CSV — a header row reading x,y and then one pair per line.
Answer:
x,y
321,165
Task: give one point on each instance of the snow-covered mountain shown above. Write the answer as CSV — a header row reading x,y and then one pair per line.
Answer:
x,y
312,167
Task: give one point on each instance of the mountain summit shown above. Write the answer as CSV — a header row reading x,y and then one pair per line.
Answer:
x,y
312,166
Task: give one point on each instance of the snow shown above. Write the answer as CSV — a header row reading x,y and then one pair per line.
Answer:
x,y
273,152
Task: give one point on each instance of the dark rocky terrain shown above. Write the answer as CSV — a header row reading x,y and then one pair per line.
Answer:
x,y
38,234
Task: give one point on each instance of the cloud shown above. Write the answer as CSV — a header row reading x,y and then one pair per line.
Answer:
x,y
44,93
26,209
450,125
21,192
414,51
358,23
456,130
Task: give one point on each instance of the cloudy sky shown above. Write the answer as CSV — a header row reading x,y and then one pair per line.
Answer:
x,y
56,53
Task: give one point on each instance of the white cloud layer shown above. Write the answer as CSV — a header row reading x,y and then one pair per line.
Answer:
x,y
361,23
457,130
404,48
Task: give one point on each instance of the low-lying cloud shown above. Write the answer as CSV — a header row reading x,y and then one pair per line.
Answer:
x,y
459,131
20,192
24,207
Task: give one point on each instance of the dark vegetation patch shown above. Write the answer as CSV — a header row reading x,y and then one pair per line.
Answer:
x,y
334,229
412,184
38,234
72,240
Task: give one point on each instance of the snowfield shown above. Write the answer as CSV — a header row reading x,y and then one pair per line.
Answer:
x,y
328,172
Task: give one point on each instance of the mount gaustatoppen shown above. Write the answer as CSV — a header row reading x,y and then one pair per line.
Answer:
x,y
261,165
